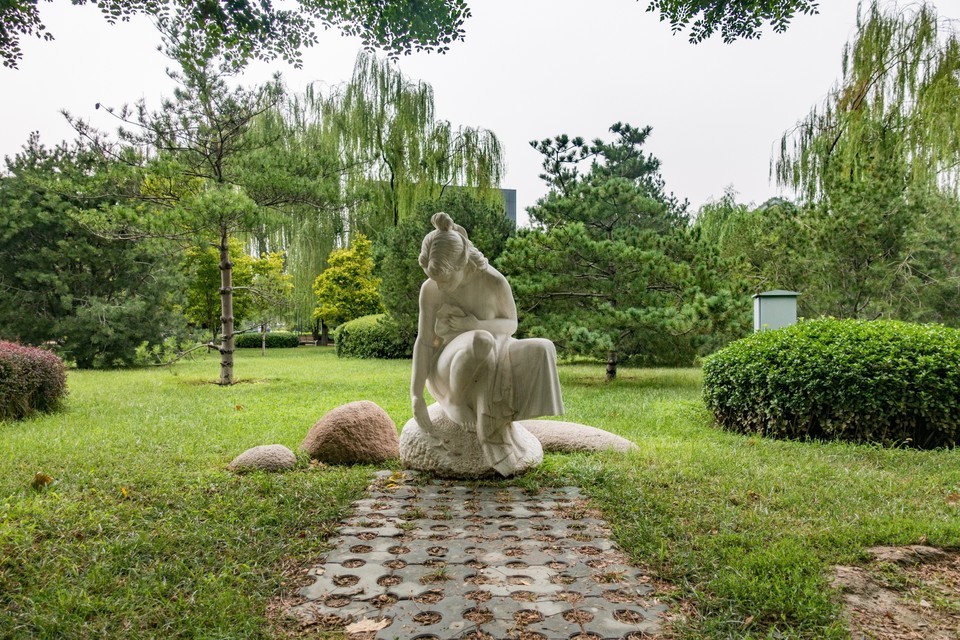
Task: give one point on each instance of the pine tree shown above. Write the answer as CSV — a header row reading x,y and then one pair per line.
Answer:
x,y
610,268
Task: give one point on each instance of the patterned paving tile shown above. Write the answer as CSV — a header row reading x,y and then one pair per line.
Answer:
x,y
446,560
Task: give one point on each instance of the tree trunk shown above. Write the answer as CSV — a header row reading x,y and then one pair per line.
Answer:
x,y
324,336
315,331
611,365
263,339
226,311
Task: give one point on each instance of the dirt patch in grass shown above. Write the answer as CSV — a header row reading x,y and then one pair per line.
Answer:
x,y
903,593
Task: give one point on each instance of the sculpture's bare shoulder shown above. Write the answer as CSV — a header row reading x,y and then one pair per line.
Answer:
x,y
429,292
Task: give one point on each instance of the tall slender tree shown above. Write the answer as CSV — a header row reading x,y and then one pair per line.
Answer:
x,y
200,163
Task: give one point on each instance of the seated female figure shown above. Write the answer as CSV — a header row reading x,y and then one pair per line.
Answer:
x,y
465,354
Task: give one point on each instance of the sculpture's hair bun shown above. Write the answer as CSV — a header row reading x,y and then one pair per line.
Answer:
x,y
442,222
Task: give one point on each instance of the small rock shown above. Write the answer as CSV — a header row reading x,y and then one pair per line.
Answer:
x,y
358,432
570,437
267,457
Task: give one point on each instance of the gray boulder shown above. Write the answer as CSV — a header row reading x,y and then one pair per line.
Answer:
x,y
267,457
355,433
570,437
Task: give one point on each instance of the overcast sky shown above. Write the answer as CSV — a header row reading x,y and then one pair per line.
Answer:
x,y
528,69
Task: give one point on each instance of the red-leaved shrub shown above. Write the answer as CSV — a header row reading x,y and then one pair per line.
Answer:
x,y
30,380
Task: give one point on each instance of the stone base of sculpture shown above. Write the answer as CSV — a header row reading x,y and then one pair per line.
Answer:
x,y
453,450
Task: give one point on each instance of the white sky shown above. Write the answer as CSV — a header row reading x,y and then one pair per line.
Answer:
x,y
528,69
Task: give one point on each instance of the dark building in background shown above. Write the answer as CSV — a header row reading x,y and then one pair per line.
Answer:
x,y
510,204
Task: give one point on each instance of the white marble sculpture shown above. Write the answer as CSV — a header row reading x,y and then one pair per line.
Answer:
x,y
483,378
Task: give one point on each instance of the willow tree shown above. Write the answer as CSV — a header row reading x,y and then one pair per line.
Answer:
x,y
877,169
379,152
388,125
304,169
898,99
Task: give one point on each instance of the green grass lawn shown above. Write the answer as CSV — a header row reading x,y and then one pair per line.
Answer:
x,y
144,534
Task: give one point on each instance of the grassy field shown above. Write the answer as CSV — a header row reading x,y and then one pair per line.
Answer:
x,y
144,534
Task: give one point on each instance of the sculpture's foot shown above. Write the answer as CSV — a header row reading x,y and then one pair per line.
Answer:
x,y
453,450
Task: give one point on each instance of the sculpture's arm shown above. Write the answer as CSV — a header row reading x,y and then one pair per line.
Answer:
x,y
423,353
498,326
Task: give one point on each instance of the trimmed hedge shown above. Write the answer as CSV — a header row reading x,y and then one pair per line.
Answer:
x,y
376,336
886,382
275,340
30,380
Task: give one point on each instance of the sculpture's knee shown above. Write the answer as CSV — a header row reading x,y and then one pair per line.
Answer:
x,y
483,344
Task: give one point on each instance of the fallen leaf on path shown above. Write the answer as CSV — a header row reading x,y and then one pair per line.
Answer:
x,y
367,625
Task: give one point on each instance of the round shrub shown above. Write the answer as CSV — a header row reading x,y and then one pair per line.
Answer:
x,y
887,382
376,336
275,340
30,380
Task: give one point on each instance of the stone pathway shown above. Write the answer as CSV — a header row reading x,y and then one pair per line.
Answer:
x,y
447,560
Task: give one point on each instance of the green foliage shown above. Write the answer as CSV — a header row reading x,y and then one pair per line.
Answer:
x,y
274,340
611,269
374,336
388,124
347,288
243,30
270,292
166,352
871,248
897,102
734,18
399,248
201,268
30,380
888,382
97,295
769,246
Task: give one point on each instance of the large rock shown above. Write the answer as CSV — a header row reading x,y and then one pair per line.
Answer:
x,y
266,457
453,450
570,437
358,432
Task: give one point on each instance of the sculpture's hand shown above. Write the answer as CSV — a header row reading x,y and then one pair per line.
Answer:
x,y
452,321
464,322
420,413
